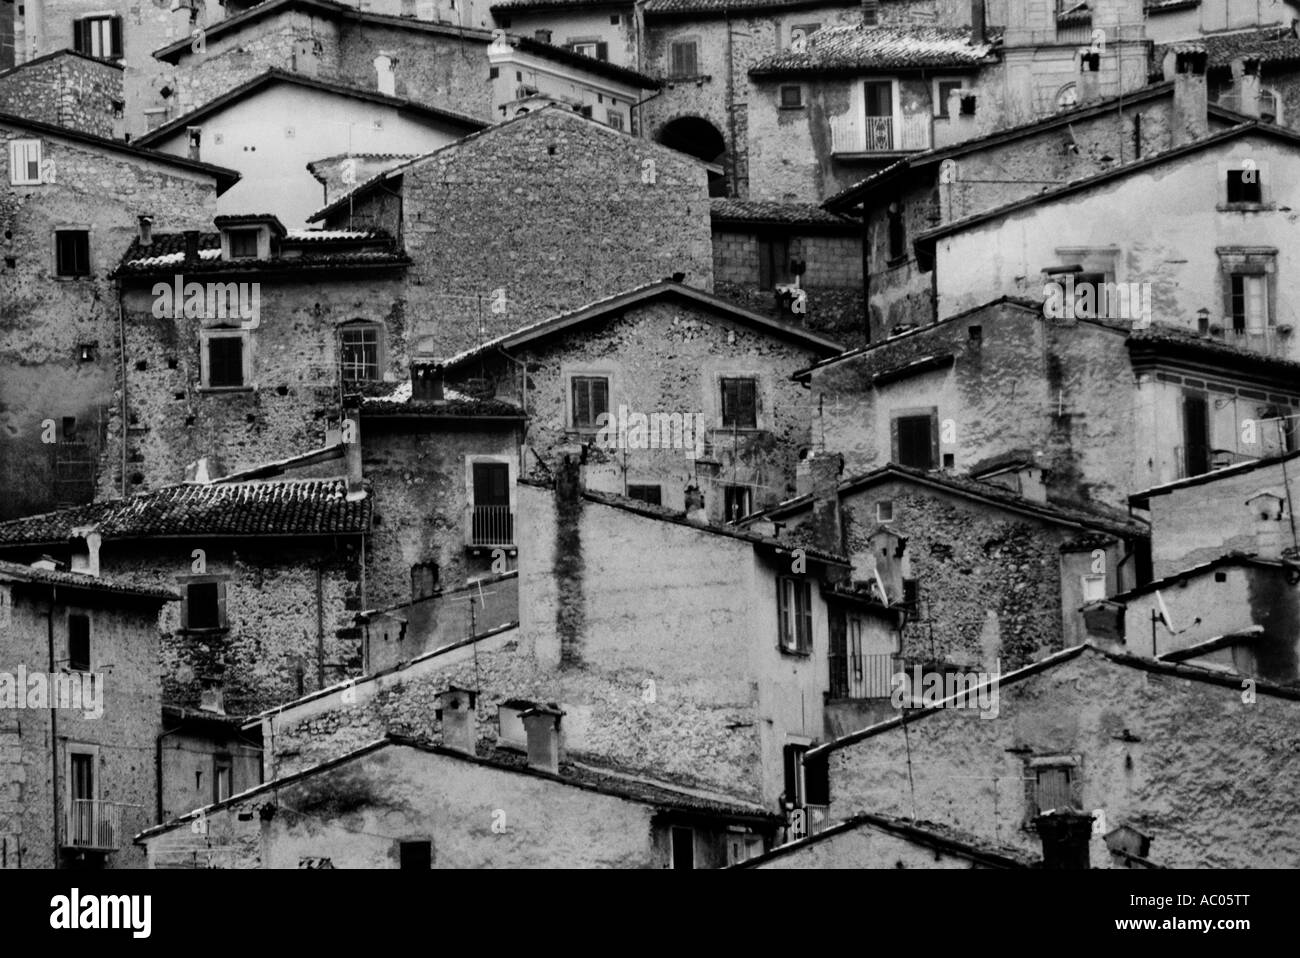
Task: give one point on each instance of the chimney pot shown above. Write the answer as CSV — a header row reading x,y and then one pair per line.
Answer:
x,y
351,436
85,551
191,246
426,381
146,230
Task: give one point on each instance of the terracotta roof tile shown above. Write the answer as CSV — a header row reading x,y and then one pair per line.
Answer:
x,y
865,47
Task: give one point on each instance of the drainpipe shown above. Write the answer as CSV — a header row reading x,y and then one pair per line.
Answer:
x,y
729,93
121,352
866,274
320,627
54,727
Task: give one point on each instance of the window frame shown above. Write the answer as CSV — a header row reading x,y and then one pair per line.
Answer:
x,y
243,234
731,491
72,231
795,626
222,607
85,35
672,846
773,271
752,423
1034,768
363,327
896,437
72,661
570,406
884,506
26,145
674,45
222,762
205,359
658,488
1093,579
797,103
940,102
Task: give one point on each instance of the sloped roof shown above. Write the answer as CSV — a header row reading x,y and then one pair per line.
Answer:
x,y
859,47
18,572
668,8
1166,339
1138,499
289,508
167,252
275,77
1229,559
778,214
1272,46
612,307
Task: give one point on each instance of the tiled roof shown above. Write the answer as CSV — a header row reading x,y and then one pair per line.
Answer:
x,y
18,572
878,48
167,251
290,508
664,7
1180,338
794,214
454,405
507,5
1167,6
1271,45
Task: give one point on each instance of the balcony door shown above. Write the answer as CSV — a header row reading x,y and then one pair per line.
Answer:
x,y
493,524
878,98
1196,436
81,788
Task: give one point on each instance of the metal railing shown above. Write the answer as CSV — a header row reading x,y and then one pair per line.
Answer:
x,y
880,134
95,824
1268,341
492,526
862,676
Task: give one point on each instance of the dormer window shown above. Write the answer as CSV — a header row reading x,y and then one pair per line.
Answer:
x,y
243,244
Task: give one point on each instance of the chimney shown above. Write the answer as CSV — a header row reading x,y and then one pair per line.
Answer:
x,y
545,748
50,564
695,510
191,246
146,230
305,58
385,76
212,696
871,12
458,712
351,436
978,31
1089,77
204,469
1186,66
823,470
85,551
1065,835
1245,77
426,381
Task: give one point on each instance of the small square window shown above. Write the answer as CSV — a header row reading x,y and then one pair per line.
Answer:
x,y
885,510
1051,788
590,397
1244,186
645,493
225,361
737,502
1220,577
739,404
79,643
949,460
791,97
243,244
415,856
976,333
205,605
614,119
613,19
1094,588
72,252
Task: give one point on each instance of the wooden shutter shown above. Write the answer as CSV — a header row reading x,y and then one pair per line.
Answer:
x,y
791,763
782,613
81,36
893,439
816,781
602,51
934,438
115,38
804,591
764,264
222,621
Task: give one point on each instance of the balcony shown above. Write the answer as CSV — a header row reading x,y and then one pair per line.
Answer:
x,y
1269,341
94,825
880,134
492,526
862,676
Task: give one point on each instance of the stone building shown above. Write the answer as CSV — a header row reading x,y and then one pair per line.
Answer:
x,y
533,217
603,384
68,209
269,575
243,341
81,704
271,127
399,803
69,89
764,253
205,757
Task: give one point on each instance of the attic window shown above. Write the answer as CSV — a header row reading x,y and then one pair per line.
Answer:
x,y
1244,186
885,510
243,244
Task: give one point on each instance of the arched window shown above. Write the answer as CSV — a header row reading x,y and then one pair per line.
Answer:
x,y
1067,96
361,349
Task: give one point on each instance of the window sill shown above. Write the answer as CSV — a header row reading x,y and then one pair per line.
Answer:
x,y
696,78
225,390
784,106
895,261
59,278
1246,207
219,630
796,653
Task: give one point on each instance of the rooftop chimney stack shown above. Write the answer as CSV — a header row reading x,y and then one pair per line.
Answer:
x,y
1065,834
1245,77
695,510
1185,65
146,230
351,438
426,381
1089,77
545,748
871,12
458,712
978,29
212,696
191,246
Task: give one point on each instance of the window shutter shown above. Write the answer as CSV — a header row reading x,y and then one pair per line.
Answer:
x,y
602,51
893,439
791,772
221,605
934,438
805,631
81,36
115,37
782,613
817,786
599,398
185,607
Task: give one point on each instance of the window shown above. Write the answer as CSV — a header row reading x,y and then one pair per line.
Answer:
x,y
1249,302
741,848
791,97
1067,96
794,614
773,261
81,793
359,352
799,34
683,847
645,493
1094,588
792,759
493,523
591,48
1245,186
916,441
897,233
683,58
1196,436
424,580
24,162
204,605
222,778
79,643
737,502
72,252
98,37
816,781
1091,300
614,119
911,593
1051,788
69,428
243,244
942,88
224,360
417,856
885,510
739,404
590,398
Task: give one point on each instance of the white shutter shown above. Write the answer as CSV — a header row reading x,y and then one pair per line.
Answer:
x,y
24,162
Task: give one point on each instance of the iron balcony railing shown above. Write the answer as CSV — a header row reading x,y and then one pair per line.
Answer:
x,y
862,676
1272,341
95,825
851,133
492,526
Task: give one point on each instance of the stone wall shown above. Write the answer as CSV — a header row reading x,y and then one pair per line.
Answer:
x,y
67,90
